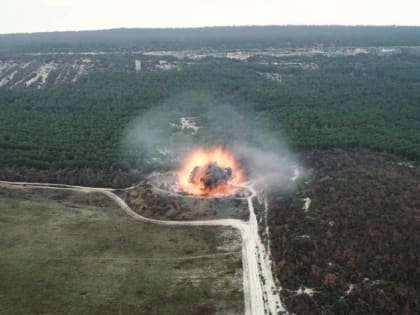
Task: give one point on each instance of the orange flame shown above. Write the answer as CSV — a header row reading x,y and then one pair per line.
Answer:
x,y
201,157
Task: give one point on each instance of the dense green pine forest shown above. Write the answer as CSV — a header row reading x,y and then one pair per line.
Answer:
x,y
357,101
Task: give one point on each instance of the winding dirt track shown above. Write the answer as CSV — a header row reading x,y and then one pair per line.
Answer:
x,y
260,292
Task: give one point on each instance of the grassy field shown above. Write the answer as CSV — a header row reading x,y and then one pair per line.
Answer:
x,y
73,253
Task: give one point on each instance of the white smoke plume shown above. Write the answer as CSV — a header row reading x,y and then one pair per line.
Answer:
x,y
159,138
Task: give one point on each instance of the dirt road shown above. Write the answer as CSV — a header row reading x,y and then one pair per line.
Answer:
x,y
260,292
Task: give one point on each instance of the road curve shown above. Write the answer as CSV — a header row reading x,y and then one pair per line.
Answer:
x,y
260,293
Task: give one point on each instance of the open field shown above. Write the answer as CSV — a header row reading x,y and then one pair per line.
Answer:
x,y
62,254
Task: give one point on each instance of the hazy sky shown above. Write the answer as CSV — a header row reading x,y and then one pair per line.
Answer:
x,y
59,15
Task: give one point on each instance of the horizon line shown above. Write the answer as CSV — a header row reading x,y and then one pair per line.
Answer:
x,y
209,26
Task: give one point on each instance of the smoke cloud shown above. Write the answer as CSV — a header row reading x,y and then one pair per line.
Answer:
x,y
161,137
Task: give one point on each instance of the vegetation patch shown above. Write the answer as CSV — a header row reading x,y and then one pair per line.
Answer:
x,y
153,203
61,254
355,247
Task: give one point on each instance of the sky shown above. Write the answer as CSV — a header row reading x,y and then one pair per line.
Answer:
x,y
24,16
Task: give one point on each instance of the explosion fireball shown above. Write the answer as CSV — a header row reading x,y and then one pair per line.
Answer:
x,y
210,172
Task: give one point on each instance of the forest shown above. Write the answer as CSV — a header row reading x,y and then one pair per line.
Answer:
x,y
356,245
361,101
239,37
